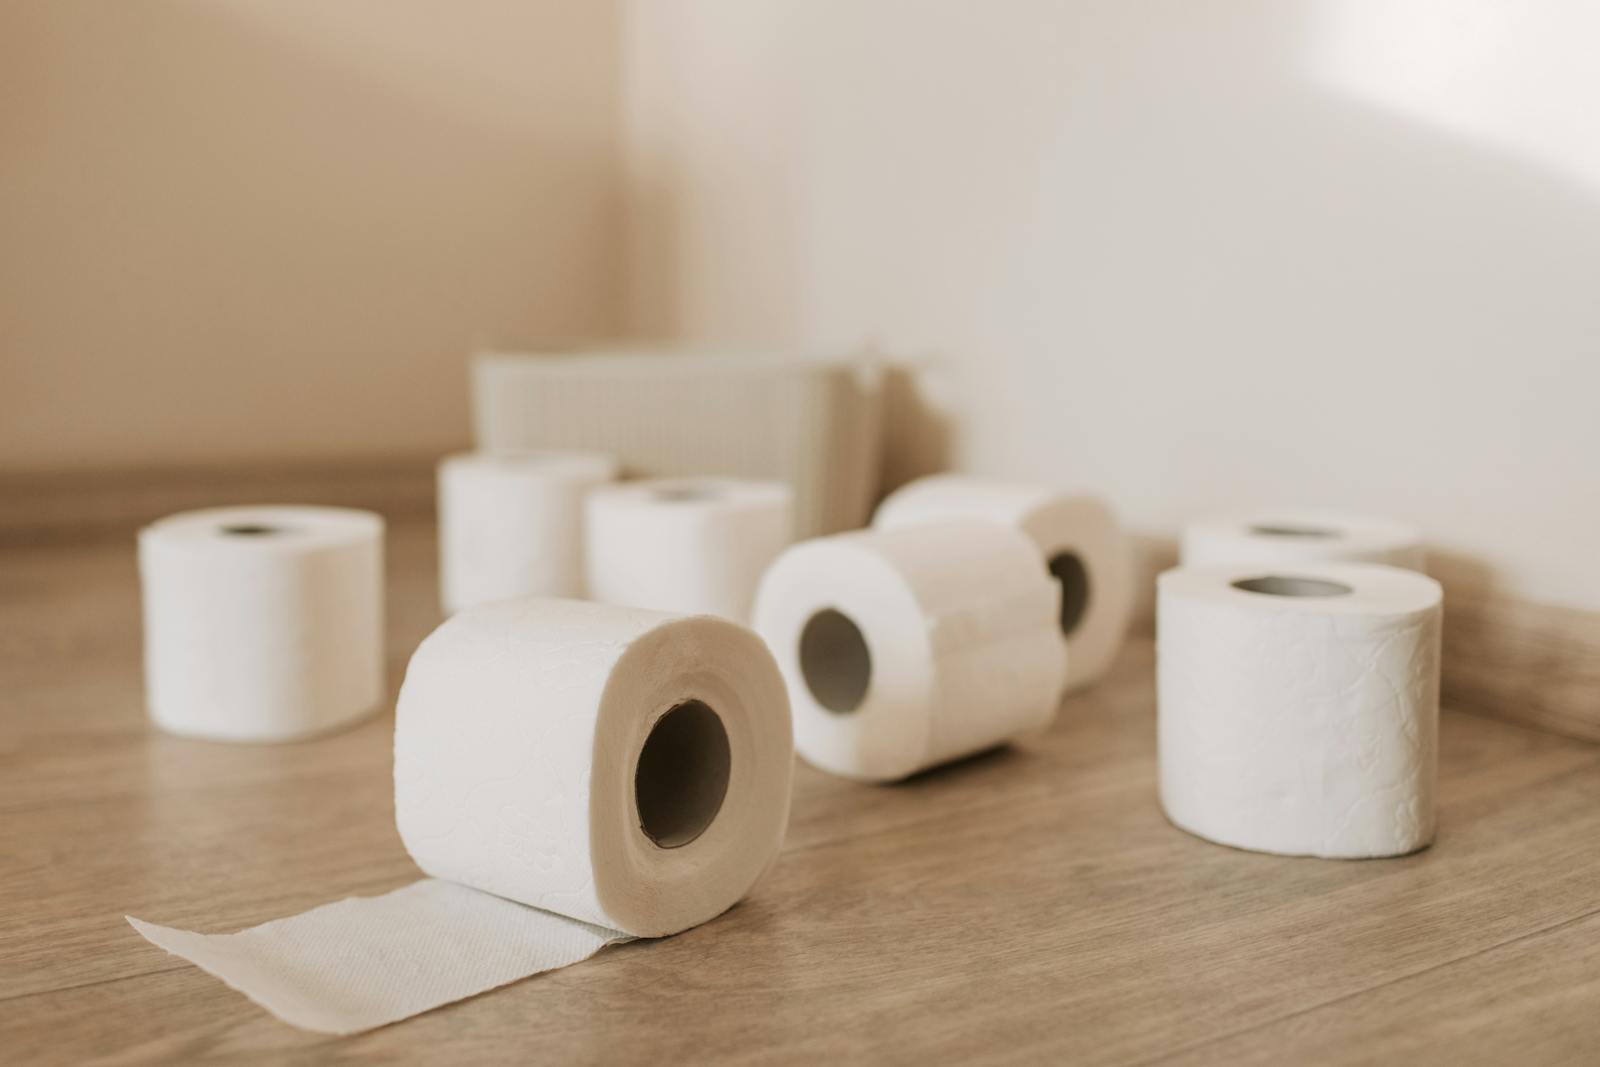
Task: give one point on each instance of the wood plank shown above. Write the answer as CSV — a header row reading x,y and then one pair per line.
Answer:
x,y
1029,904
1537,664
1477,1006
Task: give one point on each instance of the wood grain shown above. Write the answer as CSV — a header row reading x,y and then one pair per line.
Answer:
x,y
1537,664
1023,906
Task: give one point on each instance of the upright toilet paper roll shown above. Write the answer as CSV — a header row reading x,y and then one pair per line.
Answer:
x,y
907,648
695,545
1076,535
1298,707
511,524
571,774
262,623
1288,536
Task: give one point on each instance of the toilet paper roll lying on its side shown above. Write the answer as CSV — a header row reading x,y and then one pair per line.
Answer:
x,y
685,544
262,623
1076,534
1298,707
640,759
907,648
571,774
511,524
1287,536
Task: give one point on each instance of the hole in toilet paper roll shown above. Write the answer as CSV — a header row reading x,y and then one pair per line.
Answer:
x,y
1073,577
683,494
682,774
251,529
1281,585
835,661
1273,529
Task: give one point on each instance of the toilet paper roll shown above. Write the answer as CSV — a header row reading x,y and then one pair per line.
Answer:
x,y
1298,707
695,545
907,648
1076,535
571,774
511,524
1290,535
262,623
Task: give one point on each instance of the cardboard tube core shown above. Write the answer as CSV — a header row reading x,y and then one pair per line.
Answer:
x,y
682,775
835,660
1273,529
685,494
1073,577
1284,585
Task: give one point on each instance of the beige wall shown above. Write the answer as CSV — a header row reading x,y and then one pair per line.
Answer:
x,y
1341,253
276,228
1200,256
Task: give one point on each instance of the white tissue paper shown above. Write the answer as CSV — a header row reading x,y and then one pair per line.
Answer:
x,y
262,623
511,524
811,422
693,545
1291,535
908,648
1298,707
570,774
1078,540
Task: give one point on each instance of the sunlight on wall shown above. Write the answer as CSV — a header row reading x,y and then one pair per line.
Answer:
x,y
1122,236
1521,77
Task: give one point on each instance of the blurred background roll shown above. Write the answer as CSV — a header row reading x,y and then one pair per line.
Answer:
x,y
813,422
1298,707
1079,541
262,623
907,648
688,545
1290,535
511,524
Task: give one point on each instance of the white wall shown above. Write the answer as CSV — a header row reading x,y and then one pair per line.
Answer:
x,y
268,229
1200,255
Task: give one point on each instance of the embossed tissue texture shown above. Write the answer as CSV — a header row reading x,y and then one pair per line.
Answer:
x,y
1299,732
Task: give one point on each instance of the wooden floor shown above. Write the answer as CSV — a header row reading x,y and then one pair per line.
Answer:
x,y
1030,905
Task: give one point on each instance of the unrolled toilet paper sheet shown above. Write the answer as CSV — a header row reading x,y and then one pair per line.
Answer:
x,y
365,962
539,744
